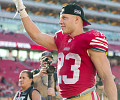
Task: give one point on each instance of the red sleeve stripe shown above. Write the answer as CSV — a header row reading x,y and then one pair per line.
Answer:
x,y
99,44
104,40
97,41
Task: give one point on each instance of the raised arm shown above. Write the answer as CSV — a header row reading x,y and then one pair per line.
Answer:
x,y
42,39
102,65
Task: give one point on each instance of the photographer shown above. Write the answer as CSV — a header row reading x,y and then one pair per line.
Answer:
x,y
41,78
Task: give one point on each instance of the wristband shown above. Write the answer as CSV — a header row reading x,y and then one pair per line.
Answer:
x,y
23,13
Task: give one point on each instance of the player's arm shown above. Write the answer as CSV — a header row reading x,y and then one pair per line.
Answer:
x,y
42,39
33,31
102,66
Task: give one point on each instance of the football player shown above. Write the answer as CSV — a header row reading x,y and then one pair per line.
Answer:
x,y
80,54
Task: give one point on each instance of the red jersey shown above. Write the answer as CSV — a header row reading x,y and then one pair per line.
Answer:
x,y
76,71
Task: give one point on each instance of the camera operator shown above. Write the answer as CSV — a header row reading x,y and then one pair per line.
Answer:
x,y
41,76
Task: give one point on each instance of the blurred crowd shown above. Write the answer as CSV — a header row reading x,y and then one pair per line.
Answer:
x,y
7,89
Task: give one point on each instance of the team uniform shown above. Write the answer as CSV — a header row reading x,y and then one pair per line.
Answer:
x,y
76,72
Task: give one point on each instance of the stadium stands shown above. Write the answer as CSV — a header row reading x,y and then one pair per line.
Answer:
x,y
11,69
104,16
103,10
14,37
116,72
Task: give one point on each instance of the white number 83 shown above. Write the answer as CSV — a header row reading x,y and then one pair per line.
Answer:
x,y
74,68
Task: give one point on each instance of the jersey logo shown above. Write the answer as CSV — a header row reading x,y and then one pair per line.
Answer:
x,y
76,11
66,48
69,40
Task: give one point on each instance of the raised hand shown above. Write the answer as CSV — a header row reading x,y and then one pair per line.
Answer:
x,y
19,5
20,8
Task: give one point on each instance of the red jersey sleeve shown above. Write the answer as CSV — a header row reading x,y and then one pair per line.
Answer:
x,y
98,42
58,39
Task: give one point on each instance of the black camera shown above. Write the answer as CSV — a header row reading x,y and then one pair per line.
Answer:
x,y
99,82
50,68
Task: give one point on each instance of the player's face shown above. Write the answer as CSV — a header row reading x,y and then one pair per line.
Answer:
x,y
67,23
24,81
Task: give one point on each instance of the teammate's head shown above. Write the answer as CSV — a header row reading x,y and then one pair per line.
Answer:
x,y
74,9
